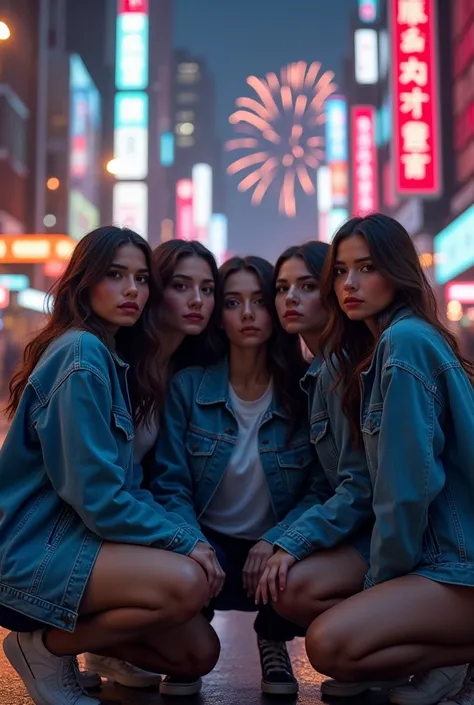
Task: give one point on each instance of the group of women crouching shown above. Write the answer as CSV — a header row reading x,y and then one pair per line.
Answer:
x,y
172,453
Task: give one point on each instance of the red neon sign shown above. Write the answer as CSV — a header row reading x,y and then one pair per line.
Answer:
x,y
364,160
184,210
132,6
416,156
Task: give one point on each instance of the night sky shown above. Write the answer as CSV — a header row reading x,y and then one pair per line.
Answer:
x,y
242,37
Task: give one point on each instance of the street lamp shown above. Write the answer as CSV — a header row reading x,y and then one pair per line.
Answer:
x,y
113,166
4,31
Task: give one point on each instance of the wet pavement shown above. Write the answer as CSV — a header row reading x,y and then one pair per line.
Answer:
x,y
234,681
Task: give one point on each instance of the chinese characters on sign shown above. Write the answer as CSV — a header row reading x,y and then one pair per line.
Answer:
x,y
364,160
416,144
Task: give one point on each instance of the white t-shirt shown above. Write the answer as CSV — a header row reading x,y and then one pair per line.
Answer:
x,y
241,505
145,439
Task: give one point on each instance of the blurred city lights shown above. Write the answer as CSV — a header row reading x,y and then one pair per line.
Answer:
x,y
49,221
454,311
52,183
113,166
4,31
282,131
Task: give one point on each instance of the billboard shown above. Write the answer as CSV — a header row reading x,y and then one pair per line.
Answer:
x,y
368,10
131,61
416,144
454,248
337,148
130,206
84,150
131,135
366,56
364,160
184,210
202,200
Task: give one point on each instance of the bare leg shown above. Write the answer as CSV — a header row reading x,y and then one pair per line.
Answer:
x,y
406,625
320,582
133,590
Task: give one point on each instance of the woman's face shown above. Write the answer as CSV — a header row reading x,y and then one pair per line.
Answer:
x,y
120,297
188,300
245,318
297,300
362,292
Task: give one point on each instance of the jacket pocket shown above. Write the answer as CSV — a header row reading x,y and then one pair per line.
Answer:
x,y
125,425
60,526
294,464
430,545
200,449
325,445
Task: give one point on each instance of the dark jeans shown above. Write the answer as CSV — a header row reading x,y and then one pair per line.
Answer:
x,y
232,554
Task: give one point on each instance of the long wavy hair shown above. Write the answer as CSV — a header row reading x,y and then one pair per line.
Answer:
x,y
350,342
71,309
195,349
285,360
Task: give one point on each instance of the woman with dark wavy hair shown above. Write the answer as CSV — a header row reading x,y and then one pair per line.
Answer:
x,y
234,457
408,397
188,275
89,561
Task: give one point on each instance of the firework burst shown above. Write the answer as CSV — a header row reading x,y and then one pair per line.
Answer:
x,y
280,131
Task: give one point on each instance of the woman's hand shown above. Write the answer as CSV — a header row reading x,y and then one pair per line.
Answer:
x,y
205,555
274,576
255,565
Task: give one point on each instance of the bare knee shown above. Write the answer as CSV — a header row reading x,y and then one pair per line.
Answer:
x,y
330,651
198,652
188,594
303,599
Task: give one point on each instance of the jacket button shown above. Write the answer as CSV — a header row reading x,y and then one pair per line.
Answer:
x,y
265,441
195,447
66,620
230,431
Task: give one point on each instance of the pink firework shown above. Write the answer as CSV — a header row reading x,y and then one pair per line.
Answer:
x,y
280,130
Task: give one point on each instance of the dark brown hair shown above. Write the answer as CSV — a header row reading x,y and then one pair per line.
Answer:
x,y
350,342
71,309
195,349
285,361
313,253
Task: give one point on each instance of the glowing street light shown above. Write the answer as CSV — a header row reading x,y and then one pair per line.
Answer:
x,y
113,166
4,31
52,183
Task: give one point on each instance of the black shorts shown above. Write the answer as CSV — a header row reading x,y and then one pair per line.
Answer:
x,y
14,621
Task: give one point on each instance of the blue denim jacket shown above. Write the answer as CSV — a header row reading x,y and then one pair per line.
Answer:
x,y
418,428
67,482
347,515
197,436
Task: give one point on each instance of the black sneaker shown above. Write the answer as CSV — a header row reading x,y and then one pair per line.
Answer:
x,y
180,686
277,672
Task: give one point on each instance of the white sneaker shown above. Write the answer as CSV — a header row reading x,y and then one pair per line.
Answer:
x,y
180,686
121,672
430,687
88,680
466,694
49,679
340,689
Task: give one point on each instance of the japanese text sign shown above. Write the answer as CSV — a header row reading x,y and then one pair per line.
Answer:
x,y
416,157
364,160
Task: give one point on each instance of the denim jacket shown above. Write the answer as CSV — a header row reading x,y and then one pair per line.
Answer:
x,y
348,513
418,427
197,436
67,482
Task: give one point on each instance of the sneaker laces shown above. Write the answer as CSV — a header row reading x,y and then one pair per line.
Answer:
x,y
70,682
274,656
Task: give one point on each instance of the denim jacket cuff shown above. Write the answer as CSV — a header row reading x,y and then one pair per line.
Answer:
x,y
183,542
196,532
296,544
273,534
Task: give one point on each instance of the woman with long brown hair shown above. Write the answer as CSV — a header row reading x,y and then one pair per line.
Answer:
x,y
407,394
188,274
89,562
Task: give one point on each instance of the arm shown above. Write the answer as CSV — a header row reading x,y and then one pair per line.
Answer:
x,y
327,524
171,481
318,490
82,461
409,476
